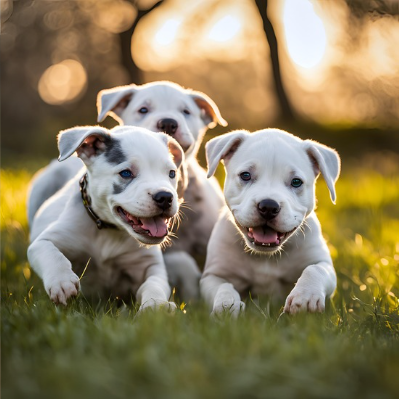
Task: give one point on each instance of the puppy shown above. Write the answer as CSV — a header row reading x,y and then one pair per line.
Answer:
x,y
113,215
185,115
269,239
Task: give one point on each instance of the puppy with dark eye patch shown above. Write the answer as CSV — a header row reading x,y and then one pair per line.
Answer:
x,y
268,240
185,115
114,214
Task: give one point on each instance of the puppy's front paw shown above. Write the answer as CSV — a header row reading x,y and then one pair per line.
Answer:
x,y
157,304
304,300
228,306
62,286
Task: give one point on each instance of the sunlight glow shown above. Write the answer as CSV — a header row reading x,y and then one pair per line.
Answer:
x,y
182,35
167,32
115,17
63,82
304,32
225,29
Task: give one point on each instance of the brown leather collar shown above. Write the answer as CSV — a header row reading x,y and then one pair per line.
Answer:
x,y
87,202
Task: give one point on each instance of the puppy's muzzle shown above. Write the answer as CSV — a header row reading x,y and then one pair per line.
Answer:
x,y
268,209
163,199
169,126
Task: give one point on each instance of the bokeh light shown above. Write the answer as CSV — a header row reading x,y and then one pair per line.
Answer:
x,y
304,33
167,32
156,44
63,82
225,29
115,16
172,36
58,19
338,62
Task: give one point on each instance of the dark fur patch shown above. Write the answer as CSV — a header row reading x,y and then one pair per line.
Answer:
x,y
119,188
114,153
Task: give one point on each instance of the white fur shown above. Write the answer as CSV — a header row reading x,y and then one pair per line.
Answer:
x,y
301,262
121,261
203,198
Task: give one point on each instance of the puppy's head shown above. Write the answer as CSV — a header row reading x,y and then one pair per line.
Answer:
x,y
270,182
132,176
162,107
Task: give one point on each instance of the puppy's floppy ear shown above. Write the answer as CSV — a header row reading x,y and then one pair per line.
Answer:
x,y
222,147
175,149
178,158
114,101
209,110
326,161
87,141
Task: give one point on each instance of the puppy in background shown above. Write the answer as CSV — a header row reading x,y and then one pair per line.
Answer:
x,y
116,211
184,115
269,239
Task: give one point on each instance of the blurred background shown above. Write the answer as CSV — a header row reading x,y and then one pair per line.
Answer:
x,y
327,70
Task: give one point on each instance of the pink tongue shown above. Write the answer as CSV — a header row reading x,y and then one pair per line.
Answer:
x,y
265,235
156,226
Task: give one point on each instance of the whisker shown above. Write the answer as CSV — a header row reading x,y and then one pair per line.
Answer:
x,y
185,206
302,230
166,243
173,235
178,219
174,221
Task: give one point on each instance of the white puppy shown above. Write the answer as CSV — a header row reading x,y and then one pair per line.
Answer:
x,y
184,115
269,240
114,212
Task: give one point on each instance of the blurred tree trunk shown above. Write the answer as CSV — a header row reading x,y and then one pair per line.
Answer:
x,y
361,8
286,111
135,73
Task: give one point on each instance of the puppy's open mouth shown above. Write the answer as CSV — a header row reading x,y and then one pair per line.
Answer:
x,y
156,226
266,236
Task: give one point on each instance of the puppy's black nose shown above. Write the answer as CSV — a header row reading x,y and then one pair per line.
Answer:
x,y
268,209
163,199
169,126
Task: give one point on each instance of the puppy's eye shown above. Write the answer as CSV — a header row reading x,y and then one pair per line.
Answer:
x,y
296,183
126,174
172,174
186,111
143,110
246,176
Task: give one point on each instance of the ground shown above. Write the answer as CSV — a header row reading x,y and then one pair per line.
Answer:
x,y
101,350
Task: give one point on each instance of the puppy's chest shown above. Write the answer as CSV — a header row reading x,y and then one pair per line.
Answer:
x,y
273,276
106,258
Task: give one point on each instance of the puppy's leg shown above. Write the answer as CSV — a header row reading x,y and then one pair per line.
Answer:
x,y
60,282
155,291
183,273
316,283
221,295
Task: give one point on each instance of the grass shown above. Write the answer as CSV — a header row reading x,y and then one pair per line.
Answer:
x,y
100,350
